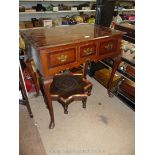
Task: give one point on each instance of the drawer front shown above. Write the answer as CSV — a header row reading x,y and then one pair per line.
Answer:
x,y
87,50
108,46
59,58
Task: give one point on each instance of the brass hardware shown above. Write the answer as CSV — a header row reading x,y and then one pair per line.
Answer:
x,y
109,46
88,51
62,58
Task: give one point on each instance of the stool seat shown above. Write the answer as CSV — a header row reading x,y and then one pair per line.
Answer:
x,y
67,88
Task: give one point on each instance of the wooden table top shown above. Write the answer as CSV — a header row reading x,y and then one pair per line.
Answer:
x,y
62,35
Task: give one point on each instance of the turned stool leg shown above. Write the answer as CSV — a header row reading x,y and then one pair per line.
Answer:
x,y
89,92
65,109
85,68
84,101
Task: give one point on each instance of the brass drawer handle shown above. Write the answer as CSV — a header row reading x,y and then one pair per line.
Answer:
x,y
62,58
88,51
109,46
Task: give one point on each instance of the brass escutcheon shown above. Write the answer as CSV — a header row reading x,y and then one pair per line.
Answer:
x,y
88,51
62,58
109,46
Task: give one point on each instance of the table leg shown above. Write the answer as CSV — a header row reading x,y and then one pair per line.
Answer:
x,y
33,75
117,61
46,86
42,88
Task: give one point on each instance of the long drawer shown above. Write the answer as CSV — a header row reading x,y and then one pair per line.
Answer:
x,y
62,57
57,59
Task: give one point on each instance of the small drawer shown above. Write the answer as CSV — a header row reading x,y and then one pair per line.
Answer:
x,y
107,46
59,58
87,50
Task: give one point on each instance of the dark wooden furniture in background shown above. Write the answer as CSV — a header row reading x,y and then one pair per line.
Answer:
x,y
60,48
126,90
129,29
24,100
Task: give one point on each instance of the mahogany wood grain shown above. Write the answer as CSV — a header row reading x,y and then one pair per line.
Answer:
x,y
59,58
87,50
58,36
108,46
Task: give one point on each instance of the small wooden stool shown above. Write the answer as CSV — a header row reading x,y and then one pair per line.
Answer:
x,y
67,88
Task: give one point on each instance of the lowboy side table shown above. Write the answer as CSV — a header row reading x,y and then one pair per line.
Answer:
x,y
60,48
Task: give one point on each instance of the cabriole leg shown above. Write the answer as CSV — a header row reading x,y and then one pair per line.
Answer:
x,y
46,86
